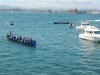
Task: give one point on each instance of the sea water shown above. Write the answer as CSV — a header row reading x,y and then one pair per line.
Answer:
x,y
59,51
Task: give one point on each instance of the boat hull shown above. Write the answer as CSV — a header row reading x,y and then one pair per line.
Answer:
x,y
80,27
61,22
90,37
12,38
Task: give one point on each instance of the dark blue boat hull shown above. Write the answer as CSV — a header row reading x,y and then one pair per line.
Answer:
x,y
58,22
32,43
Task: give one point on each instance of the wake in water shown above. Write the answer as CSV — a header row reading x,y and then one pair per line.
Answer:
x,y
94,20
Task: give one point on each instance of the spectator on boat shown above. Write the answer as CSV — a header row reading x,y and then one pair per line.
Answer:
x,y
14,37
10,37
17,37
30,39
20,38
10,33
25,40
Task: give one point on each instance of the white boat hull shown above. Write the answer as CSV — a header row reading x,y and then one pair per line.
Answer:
x,y
80,27
90,37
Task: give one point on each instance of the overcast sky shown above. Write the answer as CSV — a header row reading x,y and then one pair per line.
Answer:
x,y
59,4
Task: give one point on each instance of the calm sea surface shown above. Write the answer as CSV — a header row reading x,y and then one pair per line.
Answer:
x,y
59,51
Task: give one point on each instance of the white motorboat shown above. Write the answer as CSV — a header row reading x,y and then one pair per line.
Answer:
x,y
82,25
91,33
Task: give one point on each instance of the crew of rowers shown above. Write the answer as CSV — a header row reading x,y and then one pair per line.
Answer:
x,y
19,38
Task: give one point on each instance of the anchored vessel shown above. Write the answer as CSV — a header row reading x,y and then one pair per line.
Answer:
x,y
61,22
91,33
82,25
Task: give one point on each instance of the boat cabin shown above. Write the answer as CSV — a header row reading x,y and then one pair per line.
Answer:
x,y
85,23
92,30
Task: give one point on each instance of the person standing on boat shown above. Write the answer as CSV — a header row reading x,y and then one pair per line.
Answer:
x,y
20,38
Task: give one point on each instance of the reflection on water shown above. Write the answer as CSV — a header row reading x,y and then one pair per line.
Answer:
x,y
89,45
90,55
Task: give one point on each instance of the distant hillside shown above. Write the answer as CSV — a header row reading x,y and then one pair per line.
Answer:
x,y
7,7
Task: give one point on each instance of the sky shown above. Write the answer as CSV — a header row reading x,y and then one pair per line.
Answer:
x,y
57,4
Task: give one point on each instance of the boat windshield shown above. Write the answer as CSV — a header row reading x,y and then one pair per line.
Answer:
x,y
90,32
97,32
85,23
